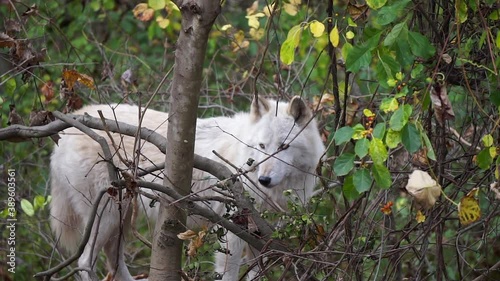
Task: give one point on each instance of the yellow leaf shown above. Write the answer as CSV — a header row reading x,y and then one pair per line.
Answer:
x,y
368,113
72,76
420,217
487,140
497,41
290,9
268,10
295,2
468,208
287,50
252,9
186,235
256,34
349,34
493,152
253,20
196,240
317,28
334,36
225,27
162,22
239,41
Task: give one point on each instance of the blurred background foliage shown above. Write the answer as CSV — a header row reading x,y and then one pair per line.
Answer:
x,y
394,56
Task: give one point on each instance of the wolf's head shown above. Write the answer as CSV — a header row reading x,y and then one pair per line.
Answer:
x,y
286,143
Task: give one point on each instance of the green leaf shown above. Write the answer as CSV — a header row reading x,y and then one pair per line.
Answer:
x,y
461,10
484,159
408,109
10,86
362,180
415,72
360,56
156,4
357,58
379,131
38,202
376,4
398,32
398,120
346,49
349,189
495,96
393,138
343,164
385,70
388,14
287,51
430,150
389,105
378,151
382,176
411,138
400,117
343,135
27,207
403,53
420,46
361,147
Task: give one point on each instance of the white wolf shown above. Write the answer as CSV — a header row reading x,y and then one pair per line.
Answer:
x,y
78,173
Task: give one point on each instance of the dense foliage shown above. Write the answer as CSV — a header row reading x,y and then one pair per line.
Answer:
x,y
398,85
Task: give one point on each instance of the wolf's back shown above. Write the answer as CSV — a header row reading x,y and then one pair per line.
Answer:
x,y
77,172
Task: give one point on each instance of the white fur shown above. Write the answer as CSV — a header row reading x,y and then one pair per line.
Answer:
x,y
77,174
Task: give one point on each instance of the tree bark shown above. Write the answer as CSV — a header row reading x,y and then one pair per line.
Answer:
x,y
198,17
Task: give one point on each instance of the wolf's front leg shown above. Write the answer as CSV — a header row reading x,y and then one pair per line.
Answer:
x,y
229,265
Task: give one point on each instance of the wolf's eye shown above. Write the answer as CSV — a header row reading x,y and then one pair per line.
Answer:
x,y
262,146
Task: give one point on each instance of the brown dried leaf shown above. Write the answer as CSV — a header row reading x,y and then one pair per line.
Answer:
x,y
107,71
40,117
14,117
47,90
196,243
441,102
12,26
142,12
64,91
495,188
72,76
6,41
129,78
33,10
74,103
22,52
447,58
187,235
357,11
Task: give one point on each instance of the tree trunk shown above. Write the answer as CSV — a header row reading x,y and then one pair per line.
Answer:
x,y
198,17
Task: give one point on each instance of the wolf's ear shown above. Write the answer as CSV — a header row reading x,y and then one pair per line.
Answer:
x,y
260,106
299,111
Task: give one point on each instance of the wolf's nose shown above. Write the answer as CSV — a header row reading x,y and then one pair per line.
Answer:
x,y
265,181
